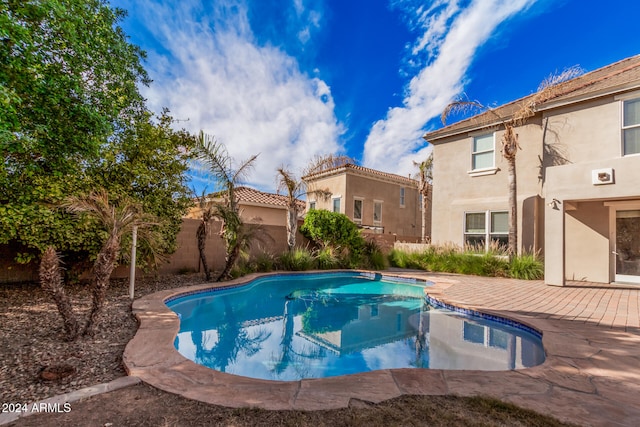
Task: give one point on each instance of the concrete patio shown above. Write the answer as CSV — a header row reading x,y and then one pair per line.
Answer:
x,y
591,335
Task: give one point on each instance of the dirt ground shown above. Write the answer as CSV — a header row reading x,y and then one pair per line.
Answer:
x,y
32,340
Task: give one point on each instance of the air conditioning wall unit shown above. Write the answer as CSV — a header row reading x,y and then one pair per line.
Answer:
x,y
602,176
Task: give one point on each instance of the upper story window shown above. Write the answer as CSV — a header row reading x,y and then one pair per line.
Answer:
x,y
631,127
312,205
357,210
482,228
483,152
401,196
336,204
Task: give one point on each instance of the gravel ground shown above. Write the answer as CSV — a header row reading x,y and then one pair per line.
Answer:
x,y
33,338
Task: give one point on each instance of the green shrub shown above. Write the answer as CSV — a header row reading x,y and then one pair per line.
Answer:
x,y
332,229
526,267
472,261
296,260
326,259
264,262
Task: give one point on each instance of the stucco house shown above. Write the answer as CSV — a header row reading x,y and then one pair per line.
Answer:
x,y
378,202
578,178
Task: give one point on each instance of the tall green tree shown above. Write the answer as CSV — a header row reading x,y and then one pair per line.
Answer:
x,y
72,119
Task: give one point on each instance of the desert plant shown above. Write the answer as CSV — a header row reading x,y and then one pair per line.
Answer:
x,y
527,267
326,259
52,284
236,234
204,229
117,219
299,259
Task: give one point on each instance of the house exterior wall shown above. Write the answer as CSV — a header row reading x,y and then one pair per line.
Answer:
x,y
403,223
457,192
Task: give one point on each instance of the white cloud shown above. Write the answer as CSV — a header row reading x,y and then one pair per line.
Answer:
x,y
450,39
254,99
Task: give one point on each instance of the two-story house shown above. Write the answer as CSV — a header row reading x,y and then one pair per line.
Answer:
x,y
379,202
578,178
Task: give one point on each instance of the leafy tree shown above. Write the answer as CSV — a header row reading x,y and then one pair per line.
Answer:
x,y
332,229
548,89
425,181
72,119
236,235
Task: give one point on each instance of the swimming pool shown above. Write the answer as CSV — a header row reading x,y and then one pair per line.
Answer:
x,y
313,325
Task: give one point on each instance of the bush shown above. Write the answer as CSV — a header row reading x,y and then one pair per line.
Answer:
x,y
296,260
452,259
332,229
326,259
527,267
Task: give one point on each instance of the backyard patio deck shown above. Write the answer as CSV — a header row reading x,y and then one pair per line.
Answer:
x,y
591,376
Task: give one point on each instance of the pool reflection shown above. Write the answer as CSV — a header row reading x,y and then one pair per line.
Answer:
x,y
310,334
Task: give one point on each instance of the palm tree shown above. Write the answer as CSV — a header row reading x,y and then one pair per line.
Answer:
x,y
52,283
549,88
204,228
425,180
235,234
117,220
296,188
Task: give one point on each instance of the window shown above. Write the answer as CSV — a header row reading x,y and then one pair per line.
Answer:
x,y
482,155
488,226
631,127
357,210
401,197
377,212
336,204
312,205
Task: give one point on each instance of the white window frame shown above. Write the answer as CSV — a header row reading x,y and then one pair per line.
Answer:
x,y
361,200
378,221
487,226
623,128
402,197
488,170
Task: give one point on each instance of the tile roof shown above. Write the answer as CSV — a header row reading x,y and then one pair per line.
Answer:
x,y
360,170
618,77
246,194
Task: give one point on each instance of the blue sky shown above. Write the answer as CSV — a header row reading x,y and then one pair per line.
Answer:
x,y
297,78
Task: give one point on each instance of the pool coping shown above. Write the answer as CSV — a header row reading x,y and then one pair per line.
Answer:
x,y
152,357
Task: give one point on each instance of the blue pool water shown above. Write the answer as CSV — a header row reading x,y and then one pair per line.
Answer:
x,y
289,327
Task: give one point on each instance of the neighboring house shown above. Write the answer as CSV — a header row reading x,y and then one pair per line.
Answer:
x,y
257,207
378,202
578,177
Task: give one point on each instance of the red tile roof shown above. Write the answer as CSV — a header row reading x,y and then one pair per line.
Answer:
x,y
246,194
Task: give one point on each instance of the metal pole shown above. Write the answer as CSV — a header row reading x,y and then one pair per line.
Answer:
x,y
132,271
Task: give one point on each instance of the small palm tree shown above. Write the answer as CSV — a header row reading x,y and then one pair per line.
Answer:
x,y
549,88
204,229
117,220
52,283
425,180
234,233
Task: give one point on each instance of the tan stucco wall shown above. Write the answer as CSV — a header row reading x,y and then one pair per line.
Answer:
x,y
587,242
571,185
399,221
455,191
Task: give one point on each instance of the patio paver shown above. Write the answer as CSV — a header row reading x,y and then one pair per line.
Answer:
x,y
591,375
